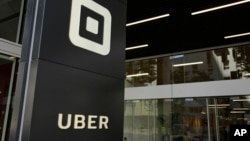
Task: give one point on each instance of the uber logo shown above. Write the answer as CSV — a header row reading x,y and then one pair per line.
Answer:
x,y
90,26
81,121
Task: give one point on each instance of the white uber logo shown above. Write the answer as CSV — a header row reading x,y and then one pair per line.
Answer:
x,y
240,132
81,121
90,26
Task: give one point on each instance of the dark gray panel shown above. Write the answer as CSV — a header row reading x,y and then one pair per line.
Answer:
x,y
66,79
61,89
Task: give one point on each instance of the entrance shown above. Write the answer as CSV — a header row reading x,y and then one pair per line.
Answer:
x,y
185,119
7,77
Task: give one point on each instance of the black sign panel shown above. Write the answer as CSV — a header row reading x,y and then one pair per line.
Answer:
x,y
71,77
97,30
68,91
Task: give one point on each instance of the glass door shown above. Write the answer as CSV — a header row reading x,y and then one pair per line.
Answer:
x,y
141,121
7,75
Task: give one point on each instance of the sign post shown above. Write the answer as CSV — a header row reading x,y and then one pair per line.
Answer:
x,y
70,84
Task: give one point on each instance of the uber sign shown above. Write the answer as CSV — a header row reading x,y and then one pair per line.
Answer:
x,y
90,26
80,121
67,86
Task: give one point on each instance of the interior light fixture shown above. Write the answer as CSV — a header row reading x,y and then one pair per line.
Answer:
x,y
148,19
168,100
135,75
237,112
218,105
135,47
241,99
247,74
136,101
12,57
219,7
241,118
189,99
176,56
237,35
241,109
187,64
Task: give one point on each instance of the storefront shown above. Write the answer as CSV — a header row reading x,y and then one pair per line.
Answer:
x,y
11,12
9,55
192,96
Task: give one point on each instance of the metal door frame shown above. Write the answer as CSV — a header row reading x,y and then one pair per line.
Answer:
x,y
10,48
9,51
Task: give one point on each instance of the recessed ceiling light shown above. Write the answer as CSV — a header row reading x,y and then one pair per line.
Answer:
x,y
187,64
241,109
247,74
219,7
12,58
176,56
237,112
216,105
136,101
168,100
241,99
135,47
139,74
220,107
237,35
148,19
241,118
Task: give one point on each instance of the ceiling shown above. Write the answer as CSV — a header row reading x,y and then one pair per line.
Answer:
x,y
176,33
182,31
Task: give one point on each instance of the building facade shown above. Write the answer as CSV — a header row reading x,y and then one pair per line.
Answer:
x,y
191,95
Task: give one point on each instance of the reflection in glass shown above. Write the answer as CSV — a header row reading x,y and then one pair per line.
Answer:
x,y
212,65
7,68
184,119
141,73
9,19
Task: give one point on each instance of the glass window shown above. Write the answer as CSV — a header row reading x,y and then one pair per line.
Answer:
x,y
212,65
185,119
7,76
9,19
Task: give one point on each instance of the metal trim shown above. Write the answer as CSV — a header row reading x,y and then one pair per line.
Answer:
x,y
10,48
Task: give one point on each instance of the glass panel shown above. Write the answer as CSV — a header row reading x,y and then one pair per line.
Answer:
x,y
7,69
241,55
189,121
141,73
141,121
165,119
194,67
185,119
9,19
212,65
164,71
